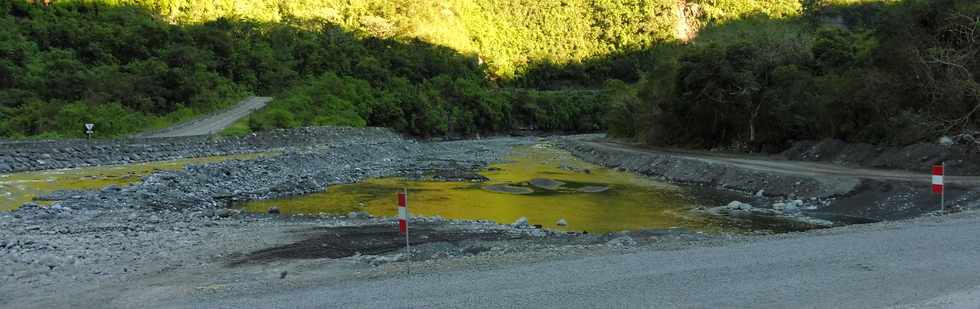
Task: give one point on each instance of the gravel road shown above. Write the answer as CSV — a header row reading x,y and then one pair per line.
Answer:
x,y
765,164
927,263
213,123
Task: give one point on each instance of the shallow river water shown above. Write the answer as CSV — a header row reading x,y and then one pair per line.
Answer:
x,y
541,183
19,188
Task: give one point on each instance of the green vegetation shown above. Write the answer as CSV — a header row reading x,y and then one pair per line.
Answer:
x,y
507,34
894,72
133,65
741,74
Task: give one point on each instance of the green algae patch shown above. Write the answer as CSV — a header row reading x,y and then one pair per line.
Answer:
x,y
19,188
541,183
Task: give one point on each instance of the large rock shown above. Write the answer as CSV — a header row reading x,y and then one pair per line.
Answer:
x,y
359,215
48,260
521,223
793,207
739,206
736,208
622,241
779,206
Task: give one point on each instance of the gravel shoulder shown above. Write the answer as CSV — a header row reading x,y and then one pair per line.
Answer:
x,y
925,261
922,262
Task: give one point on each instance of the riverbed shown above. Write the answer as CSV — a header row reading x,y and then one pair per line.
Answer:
x,y
19,188
542,183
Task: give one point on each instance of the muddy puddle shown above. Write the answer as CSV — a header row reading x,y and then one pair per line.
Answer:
x,y
341,242
19,188
541,183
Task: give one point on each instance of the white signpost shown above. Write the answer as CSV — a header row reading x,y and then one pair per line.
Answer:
x,y
88,129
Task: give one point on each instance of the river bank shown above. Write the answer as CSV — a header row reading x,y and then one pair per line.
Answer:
x,y
176,233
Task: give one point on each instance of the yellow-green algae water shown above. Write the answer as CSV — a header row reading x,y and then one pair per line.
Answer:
x,y
630,203
19,188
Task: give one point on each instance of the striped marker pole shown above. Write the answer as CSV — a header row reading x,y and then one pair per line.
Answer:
x,y
403,221
938,184
403,212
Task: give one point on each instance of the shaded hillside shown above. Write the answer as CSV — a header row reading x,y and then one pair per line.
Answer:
x,y
893,72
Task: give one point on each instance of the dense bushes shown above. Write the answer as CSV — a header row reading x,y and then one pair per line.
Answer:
x,y
62,67
894,73
758,73
441,105
127,69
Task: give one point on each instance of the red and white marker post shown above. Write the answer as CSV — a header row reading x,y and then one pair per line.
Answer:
x,y
938,184
403,219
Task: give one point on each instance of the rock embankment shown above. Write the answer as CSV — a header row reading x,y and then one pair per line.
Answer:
x,y
962,158
42,155
687,170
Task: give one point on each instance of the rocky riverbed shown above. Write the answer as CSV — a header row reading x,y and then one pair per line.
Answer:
x,y
181,226
184,221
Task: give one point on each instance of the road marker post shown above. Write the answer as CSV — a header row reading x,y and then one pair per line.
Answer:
x,y
403,225
938,184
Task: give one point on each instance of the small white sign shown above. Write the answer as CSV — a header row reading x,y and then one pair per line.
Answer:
x,y
89,126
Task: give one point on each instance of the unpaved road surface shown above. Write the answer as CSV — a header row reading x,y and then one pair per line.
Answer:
x,y
782,166
928,263
213,123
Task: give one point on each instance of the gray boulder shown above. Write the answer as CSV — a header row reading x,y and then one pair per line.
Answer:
x,y
358,215
738,206
622,241
793,207
521,223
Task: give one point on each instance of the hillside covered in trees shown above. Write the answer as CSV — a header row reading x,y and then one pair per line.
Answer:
x,y
424,67
883,72
699,73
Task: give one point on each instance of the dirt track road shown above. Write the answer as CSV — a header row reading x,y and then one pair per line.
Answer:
x,y
765,164
212,124
930,263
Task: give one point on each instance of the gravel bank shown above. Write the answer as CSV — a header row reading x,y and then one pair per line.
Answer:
x,y
181,220
174,234
41,155
842,196
348,160
687,170
962,155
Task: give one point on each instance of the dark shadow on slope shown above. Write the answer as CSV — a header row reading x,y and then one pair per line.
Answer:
x,y
894,73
